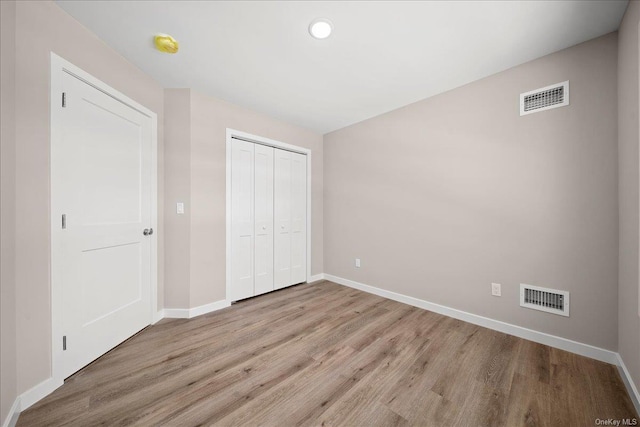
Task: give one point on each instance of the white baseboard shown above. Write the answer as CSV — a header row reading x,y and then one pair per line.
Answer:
x,y
176,313
518,331
189,313
46,387
14,413
157,316
628,382
39,391
582,349
316,278
30,397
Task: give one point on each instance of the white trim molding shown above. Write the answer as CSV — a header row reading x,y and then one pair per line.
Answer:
x,y
12,417
60,67
587,350
158,315
628,382
582,349
190,313
38,392
41,390
29,397
315,278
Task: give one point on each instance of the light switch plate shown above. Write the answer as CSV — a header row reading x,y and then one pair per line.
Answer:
x,y
358,262
180,208
496,290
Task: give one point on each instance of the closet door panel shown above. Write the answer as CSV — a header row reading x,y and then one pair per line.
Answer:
x,y
282,216
298,218
242,220
263,219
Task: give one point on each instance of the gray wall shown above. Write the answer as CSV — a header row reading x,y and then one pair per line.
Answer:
x,y
438,199
444,196
177,167
628,112
210,118
39,28
42,27
195,173
8,377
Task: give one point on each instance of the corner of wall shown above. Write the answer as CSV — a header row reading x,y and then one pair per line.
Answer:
x,y
628,192
8,355
177,189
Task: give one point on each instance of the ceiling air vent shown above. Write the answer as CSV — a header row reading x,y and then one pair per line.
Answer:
x,y
546,98
544,299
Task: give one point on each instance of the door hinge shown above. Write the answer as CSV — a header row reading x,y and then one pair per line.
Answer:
x,y
64,221
64,99
64,342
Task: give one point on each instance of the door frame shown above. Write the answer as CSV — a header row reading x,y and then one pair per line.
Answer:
x,y
60,67
270,143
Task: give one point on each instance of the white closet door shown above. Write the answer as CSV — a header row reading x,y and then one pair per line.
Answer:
x,y
282,212
298,218
242,219
263,219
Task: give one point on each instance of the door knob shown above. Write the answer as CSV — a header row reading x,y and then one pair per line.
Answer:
x,y
148,231
264,227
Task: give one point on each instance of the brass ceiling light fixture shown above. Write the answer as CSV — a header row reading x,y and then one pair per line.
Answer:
x,y
165,43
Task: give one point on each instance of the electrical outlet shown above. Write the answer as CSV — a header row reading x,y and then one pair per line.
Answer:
x,y
179,208
357,262
495,290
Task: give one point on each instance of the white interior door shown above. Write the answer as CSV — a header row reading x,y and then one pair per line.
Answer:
x,y
263,219
242,219
282,217
105,173
298,218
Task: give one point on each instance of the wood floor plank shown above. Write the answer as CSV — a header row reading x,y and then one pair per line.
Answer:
x,y
379,416
599,384
445,376
529,403
367,396
324,354
534,361
434,410
271,408
407,394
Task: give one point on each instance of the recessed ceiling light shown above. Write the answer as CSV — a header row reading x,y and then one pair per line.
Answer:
x,y
320,28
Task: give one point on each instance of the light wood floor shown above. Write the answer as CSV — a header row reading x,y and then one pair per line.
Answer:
x,y
324,354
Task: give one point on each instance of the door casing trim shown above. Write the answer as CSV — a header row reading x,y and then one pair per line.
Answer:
x,y
60,66
271,143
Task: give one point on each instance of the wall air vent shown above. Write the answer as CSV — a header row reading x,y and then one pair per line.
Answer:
x,y
544,299
546,98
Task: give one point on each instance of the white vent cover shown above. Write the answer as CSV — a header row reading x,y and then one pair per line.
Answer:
x,y
546,98
544,299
